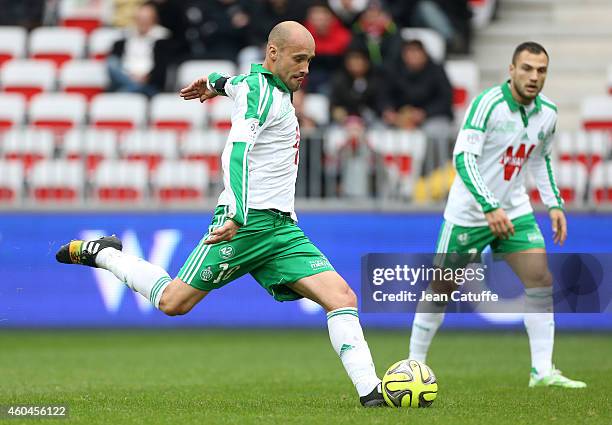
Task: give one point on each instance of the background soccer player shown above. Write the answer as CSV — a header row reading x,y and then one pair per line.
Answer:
x,y
506,128
254,227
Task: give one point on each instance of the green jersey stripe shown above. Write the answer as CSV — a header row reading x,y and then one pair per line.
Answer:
x,y
473,167
238,176
552,182
491,109
480,119
253,97
465,172
475,106
479,106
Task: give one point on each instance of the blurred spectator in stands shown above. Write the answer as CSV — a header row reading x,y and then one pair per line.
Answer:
x,y
267,13
218,29
331,39
376,33
307,123
124,11
24,13
348,10
355,90
419,95
172,16
450,18
138,61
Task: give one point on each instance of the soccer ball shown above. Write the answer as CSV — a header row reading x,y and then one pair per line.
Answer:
x,y
409,383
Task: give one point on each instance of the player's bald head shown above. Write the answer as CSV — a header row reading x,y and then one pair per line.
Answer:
x,y
290,33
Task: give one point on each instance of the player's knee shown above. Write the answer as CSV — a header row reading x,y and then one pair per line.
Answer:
x,y
171,307
346,297
541,278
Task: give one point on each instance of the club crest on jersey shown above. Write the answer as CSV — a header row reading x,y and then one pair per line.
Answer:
x,y
226,252
207,274
541,135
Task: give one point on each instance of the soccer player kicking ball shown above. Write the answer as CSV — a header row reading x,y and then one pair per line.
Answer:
x,y
254,227
506,127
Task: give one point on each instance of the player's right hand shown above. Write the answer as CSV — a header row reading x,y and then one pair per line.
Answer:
x,y
223,233
198,90
499,223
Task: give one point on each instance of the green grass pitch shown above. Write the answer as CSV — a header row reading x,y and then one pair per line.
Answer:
x,y
290,377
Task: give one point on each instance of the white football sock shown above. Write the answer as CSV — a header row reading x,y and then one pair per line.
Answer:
x,y
427,319
346,336
540,324
141,276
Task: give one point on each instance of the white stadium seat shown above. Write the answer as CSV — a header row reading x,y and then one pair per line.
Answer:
x,y
191,70
118,111
11,182
205,146
120,181
101,41
180,181
57,44
601,183
464,76
87,77
149,146
57,180
169,111
596,113
432,41
482,12
220,111
27,76
571,178
28,145
87,15
586,147
90,145
12,43
59,112
12,110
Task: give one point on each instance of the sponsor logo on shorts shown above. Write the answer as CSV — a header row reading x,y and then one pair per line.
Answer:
x,y
534,237
321,263
463,238
227,252
207,274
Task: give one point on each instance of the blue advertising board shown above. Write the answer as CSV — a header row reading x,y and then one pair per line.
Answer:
x,y
36,291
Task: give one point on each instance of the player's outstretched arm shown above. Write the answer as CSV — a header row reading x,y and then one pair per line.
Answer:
x,y
198,89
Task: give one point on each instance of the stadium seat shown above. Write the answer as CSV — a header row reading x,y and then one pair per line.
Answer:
x,y
220,111
193,69
59,112
101,41
149,146
11,182
91,146
205,146
180,181
27,76
464,76
586,147
432,41
12,43
118,111
86,77
482,12
28,146
169,112
601,183
120,181
12,110
57,44
596,113
402,152
86,15
57,180
316,106
571,178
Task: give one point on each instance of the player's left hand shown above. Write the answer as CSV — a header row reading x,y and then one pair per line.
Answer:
x,y
559,226
223,233
198,89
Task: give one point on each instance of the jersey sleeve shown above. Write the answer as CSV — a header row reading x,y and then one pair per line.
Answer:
x,y
540,166
225,85
475,125
468,172
252,103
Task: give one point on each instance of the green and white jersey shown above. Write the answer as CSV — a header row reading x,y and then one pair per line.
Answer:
x,y
260,158
499,137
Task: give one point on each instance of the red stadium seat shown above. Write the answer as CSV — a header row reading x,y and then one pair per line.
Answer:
x,y
11,182
57,181
57,44
571,178
86,77
28,146
27,77
586,147
120,182
118,111
464,77
596,113
169,112
12,43
601,183
205,146
482,12
149,146
12,110
59,112
220,110
180,181
91,146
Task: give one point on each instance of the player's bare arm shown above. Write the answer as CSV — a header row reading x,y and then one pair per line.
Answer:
x,y
198,89
559,225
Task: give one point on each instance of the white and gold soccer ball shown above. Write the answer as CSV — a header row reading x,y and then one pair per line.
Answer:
x,y
409,383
